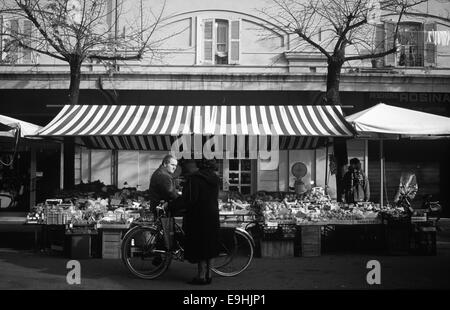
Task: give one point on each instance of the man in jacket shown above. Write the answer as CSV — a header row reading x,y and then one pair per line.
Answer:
x,y
162,183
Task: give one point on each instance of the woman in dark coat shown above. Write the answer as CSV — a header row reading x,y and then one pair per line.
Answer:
x,y
201,221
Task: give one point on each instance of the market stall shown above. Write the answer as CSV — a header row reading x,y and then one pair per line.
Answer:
x,y
276,218
384,122
13,173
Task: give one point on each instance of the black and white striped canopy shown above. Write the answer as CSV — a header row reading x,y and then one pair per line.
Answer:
x,y
156,127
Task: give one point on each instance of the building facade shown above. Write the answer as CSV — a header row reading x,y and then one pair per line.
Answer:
x,y
228,53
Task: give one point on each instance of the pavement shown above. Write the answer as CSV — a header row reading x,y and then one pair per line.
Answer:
x,y
23,269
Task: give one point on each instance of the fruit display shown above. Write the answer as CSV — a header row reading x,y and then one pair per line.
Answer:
x,y
317,207
234,206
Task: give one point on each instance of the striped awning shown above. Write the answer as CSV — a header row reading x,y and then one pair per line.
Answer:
x,y
129,120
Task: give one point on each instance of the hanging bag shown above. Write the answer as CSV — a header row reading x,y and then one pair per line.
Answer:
x,y
168,225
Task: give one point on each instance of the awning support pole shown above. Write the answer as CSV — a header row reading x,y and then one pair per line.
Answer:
x,y
326,170
381,174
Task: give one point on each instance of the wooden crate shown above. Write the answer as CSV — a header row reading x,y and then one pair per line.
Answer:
x,y
398,238
111,243
311,241
80,246
277,248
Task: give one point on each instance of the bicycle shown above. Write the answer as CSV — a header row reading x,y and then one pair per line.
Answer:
x,y
146,254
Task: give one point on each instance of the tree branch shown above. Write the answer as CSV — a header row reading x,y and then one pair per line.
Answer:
x,y
316,45
368,56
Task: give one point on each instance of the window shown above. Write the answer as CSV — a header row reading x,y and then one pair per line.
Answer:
x,y
219,41
411,45
11,31
413,49
240,175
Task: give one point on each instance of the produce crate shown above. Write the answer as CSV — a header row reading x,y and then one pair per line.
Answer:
x,y
288,231
311,241
424,240
418,219
277,248
80,247
374,221
111,243
398,237
55,238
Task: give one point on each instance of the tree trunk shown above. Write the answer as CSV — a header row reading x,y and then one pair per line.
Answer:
x,y
75,78
69,143
333,80
69,162
340,144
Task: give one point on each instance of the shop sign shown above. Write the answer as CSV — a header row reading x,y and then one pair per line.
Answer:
x,y
411,97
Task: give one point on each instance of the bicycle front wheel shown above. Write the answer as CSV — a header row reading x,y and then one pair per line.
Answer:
x,y
235,255
143,252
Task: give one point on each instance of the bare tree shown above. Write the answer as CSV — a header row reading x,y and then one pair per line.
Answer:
x,y
332,28
340,25
75,31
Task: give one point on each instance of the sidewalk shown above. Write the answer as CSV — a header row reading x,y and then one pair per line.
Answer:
x,y
27,270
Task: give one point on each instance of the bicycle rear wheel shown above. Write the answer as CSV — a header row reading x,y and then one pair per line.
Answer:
x,y
235,255
143,252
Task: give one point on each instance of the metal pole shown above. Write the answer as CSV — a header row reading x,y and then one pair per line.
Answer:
x,y
381,173
33,177
326,170
116,30
366,157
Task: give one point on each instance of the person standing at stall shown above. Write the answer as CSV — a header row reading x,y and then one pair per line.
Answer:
x,y
356,184
162,183
201,221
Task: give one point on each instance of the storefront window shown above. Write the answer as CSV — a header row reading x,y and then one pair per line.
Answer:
x,y
240,175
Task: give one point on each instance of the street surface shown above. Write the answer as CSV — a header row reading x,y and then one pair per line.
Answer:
x,y
23,269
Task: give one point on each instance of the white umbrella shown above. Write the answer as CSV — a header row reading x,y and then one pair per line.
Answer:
x,y
384,121
9,125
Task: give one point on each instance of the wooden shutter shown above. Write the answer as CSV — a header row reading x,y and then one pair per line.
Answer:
x,y
198,41
429,53
389,27
235,35
208,41
26,35
14,48
379,42
2,35
109,18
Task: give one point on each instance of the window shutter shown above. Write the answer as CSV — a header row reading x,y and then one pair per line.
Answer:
x,y
235,35
379,42
198,41
389,27
109,18
208,41
14,48
26,33
1,37
429,47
